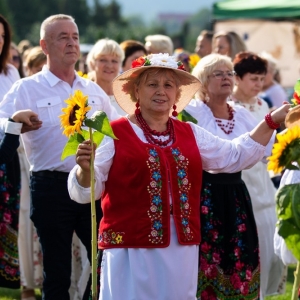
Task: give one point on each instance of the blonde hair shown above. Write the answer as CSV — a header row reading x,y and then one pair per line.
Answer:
x,y
52,19
104,47
35,57
160,43
206,66
235,42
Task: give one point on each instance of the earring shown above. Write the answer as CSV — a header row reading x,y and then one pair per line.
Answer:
x,y
137,110
174,112
206,99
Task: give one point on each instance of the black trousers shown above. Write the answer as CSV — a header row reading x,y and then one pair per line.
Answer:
x,y
56,217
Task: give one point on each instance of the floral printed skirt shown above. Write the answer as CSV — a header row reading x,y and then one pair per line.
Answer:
x,y
228,253
9,216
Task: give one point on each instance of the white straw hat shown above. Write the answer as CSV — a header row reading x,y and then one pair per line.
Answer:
x,y
123,85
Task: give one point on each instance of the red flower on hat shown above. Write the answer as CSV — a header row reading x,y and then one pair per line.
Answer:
x,y
181,66
139,62
296,97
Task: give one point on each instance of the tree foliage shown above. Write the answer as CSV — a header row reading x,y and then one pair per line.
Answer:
x,y
95,21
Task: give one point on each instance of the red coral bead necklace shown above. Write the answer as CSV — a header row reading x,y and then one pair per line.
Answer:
x,y
150,134
227,127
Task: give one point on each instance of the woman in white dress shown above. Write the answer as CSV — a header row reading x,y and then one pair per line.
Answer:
x,y
228,225
150,180
250,74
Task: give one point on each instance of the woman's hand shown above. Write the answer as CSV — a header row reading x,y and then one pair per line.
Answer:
x,y
29,119
83,155
279,114
83,159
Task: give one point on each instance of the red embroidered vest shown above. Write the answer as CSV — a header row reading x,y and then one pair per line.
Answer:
x,y
136,201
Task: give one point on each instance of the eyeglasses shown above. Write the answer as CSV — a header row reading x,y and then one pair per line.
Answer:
x,y
221,74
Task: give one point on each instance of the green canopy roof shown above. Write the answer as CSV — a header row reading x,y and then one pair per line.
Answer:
x,y
257,9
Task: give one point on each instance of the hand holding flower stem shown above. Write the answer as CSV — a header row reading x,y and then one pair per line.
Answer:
x,y
73,119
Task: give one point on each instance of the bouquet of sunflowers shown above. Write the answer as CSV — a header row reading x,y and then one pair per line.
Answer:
x,y
286,156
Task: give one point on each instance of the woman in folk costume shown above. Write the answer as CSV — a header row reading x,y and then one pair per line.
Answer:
x,y
150,180
250,74
229,250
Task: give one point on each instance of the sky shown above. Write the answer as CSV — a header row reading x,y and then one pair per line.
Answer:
x,y
149,9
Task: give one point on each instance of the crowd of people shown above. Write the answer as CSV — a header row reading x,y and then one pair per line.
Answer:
x,y
185,210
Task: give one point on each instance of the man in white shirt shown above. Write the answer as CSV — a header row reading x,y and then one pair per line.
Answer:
x,y
53,213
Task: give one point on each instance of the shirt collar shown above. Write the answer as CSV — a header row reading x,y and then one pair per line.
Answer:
x,y
53,80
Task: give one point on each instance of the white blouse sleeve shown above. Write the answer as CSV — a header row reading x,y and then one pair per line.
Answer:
x,y
103,161
220,155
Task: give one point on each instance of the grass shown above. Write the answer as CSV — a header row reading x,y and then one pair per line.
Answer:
x,y
12,294
9,294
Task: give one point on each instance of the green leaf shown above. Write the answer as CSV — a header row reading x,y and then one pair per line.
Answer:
x,y
290,166
97,137
100,122
72,145
184,116
283,202
288,211
291,237
297,87
296,204
85,134
80,137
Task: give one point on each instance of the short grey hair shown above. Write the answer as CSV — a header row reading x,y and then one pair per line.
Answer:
x,y
160,43
52,19
206,66
104,47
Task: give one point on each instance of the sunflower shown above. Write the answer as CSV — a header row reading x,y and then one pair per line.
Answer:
x,y
194,59
286,150
75,113
81,74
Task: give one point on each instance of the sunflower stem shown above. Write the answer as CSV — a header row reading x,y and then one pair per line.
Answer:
x,y
94,223
296,282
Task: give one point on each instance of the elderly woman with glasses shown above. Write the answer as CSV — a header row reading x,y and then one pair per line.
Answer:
x,y
229,250
150,180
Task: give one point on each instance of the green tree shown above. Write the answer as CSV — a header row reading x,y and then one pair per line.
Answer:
x,y
6,13
26,14
98,14
201,20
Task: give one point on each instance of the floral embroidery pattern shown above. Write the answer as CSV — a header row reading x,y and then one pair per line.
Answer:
x,y
154,189
9,212
184,187
240,279
111,237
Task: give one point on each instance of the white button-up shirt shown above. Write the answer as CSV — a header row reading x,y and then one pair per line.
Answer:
x,y
44,93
